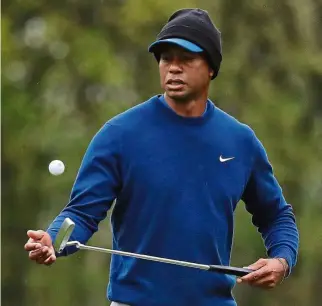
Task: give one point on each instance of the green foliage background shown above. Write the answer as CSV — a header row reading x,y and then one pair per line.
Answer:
x,y
68,66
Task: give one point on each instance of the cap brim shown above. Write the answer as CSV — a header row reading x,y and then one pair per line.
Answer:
x,y
176,41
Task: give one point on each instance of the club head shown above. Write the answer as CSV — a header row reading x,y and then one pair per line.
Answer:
x,y
63,235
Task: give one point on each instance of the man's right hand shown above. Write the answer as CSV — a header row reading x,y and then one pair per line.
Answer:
x,y
40,247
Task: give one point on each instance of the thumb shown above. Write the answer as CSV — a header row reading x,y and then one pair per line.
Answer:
x,y
36,235
258,264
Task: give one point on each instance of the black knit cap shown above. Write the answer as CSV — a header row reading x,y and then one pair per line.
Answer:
x,y
193,25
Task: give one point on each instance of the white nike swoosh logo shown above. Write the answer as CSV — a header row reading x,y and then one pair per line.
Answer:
x,y
225,159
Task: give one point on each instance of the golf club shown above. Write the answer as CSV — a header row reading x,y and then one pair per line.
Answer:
x,y
68,226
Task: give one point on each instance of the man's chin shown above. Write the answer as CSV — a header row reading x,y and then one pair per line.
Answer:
x,y
177,96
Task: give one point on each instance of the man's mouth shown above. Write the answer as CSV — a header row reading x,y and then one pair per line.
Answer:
x,y
175,82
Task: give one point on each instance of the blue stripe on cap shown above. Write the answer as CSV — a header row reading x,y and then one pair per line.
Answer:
x,y
177,41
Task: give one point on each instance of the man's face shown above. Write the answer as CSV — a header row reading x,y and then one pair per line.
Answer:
x,y
184,75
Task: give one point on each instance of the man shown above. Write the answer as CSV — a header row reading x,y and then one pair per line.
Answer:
x,y
177,166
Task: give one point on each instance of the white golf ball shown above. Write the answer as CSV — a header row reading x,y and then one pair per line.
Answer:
x,y
56,167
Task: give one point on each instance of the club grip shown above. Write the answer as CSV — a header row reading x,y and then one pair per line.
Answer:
x,y
230,270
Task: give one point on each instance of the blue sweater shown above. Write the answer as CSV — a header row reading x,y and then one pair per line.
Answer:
x,y
176,199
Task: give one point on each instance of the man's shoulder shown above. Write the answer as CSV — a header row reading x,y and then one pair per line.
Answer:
x,y
128,122
240,133
233,124
134,114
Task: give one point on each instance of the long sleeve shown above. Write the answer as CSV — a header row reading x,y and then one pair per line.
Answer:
x,y
271,214
95,188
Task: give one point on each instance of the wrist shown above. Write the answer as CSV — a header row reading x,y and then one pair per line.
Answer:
x,y
284,263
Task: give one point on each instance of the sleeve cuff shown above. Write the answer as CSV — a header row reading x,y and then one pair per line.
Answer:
x,y
284,253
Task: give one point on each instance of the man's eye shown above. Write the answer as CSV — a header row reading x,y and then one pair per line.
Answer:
x,y
187,58
165,57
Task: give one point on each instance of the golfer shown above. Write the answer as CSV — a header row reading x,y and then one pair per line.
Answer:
x,y
177,166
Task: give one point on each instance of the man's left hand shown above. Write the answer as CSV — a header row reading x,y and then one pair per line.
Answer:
x,y
268,273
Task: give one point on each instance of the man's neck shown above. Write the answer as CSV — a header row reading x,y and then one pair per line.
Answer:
x,y
192,108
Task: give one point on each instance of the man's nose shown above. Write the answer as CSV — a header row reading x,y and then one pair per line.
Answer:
x,y
175,65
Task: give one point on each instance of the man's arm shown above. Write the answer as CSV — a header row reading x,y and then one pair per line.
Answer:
x,y
97,184
271,214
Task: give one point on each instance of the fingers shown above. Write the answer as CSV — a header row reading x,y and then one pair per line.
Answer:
x,y
34,240
37,253
42,259
32,245
43,255
35,235
50,260
258,264
267,276
255,276
40,247
267,282
260,272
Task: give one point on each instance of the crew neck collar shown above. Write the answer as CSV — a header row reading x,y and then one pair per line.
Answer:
x,y
208,113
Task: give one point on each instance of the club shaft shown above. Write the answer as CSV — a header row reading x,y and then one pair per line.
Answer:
x,y
141,256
